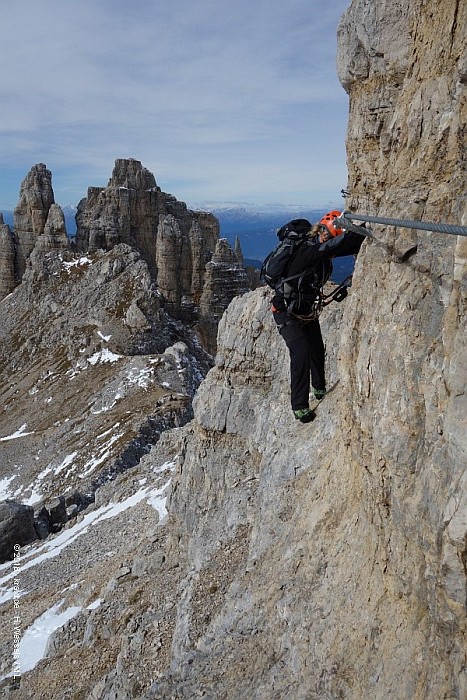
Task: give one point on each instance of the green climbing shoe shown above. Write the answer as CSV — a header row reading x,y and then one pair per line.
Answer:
x,y
319,393
304,415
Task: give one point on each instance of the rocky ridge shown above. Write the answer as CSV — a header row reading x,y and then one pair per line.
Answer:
x,y
7,259
292,561
93,369
35,199
175,242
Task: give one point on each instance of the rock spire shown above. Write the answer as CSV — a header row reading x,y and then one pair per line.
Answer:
x,y
225,279
35,199
176,242
7,259
54,237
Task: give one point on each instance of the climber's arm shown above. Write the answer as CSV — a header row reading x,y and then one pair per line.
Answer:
x,y
348,243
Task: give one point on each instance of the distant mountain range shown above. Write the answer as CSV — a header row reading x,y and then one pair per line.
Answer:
x,y
255,226
256,229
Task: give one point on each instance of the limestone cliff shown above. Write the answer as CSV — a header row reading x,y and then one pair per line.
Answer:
x,y
54,237
225,279
176,243
35,199
301,562
7,259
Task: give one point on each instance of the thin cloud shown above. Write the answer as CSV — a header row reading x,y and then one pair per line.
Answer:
x,y
195,86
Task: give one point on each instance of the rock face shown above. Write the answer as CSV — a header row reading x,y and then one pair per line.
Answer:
x,y
412,90
294,561
54,237
7,259
225,279
175,242
16,528
181,258
126,211
35,199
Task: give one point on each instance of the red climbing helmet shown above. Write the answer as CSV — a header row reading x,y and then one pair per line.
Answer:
x,y
328,222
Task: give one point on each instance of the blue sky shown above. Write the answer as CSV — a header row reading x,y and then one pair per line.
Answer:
x,y
221,100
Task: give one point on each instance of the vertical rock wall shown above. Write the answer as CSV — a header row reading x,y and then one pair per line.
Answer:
x,y
7,259
225,278
329,561
177,243
126,211
54,236
35,198
404,65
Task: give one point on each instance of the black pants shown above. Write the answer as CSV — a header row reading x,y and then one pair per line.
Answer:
x,y
306,348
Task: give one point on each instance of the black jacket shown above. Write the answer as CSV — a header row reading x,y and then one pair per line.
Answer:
x,y
309,254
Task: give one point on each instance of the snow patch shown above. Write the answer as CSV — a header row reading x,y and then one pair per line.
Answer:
x,y
34,641
103,356
97,460
164,467
157,501
7,594
36,494
68,460
35,497
104,337
76,263
19,433
140,376
5,492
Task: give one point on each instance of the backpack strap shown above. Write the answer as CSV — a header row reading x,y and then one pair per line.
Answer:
x,y
301,275
282,256
297,296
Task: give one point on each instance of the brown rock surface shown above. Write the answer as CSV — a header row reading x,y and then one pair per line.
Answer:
x,y
7,259
54,237
176,242
35,198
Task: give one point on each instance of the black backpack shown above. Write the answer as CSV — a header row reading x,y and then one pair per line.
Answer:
x,y
291,236
303,292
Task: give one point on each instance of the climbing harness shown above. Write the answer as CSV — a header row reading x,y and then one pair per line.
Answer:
x,y
317,300
339,293
307,293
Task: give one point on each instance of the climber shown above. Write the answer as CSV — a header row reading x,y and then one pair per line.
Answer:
x,y
297,269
